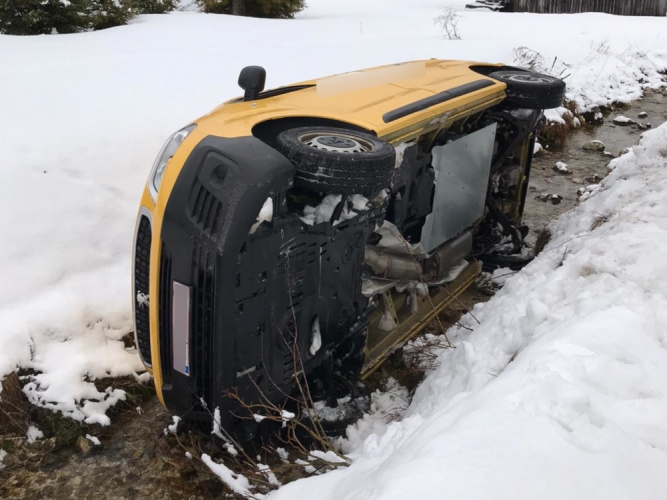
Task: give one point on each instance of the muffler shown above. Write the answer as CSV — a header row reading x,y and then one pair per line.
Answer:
x,y
406,268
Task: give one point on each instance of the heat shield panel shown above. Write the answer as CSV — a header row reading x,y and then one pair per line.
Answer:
x,y
462,177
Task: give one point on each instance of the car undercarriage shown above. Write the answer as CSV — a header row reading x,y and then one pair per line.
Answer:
x,y
360,242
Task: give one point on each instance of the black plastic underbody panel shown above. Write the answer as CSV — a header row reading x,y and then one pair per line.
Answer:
x,y
253,298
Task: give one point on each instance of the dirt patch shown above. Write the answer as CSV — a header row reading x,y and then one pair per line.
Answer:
x,y
135,460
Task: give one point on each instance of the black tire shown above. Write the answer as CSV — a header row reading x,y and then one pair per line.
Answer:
x,y
529,90
334,160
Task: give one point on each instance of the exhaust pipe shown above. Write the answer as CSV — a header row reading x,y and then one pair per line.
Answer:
x,y
448,255
390,266
400,267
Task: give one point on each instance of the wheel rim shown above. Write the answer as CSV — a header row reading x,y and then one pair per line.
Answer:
x,y
336,143
525,78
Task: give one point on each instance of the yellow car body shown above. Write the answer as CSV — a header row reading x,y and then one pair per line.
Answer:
x,y
239,297
363,108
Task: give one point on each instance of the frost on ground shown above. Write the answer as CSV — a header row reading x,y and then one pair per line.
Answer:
x,y
80,144
560,392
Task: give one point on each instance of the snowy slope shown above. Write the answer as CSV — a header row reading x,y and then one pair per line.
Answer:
x,y
560,392
83,116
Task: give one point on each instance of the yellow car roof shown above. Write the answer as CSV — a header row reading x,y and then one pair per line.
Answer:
x,y
366,99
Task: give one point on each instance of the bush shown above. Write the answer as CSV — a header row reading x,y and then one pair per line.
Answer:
x,y
103,14
276,9
216,6
449,23
153,6
41,17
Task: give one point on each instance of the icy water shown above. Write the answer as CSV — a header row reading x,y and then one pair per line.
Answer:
x,y
137,460
585,165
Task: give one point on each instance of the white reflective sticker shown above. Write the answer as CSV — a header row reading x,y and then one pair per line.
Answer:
x,y
180,333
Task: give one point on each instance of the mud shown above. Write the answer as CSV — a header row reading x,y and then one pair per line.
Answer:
x,y
137,460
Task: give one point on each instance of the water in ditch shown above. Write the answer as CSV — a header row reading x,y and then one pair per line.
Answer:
x,y
588,167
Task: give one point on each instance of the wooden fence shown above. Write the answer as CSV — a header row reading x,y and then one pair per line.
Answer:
x,y
618,7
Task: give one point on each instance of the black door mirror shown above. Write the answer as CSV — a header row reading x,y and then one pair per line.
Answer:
x,y
252,80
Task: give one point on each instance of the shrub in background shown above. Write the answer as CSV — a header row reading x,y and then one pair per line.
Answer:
x,y
42,17
103,14
38,17
153,6
276,9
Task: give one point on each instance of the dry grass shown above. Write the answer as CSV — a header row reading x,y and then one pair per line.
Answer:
x,y
543,239
572,107
555,134
14,418
599,221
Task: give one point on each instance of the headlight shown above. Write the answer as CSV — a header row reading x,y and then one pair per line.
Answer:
x,y
166,153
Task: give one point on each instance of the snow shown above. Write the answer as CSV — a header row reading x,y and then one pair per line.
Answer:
x,y
400,152
173,428
556,115
324,211
236,482
93,439
558,392
265,214
282,453
33,434
216,425
286,416
328,456
84,116
386,406
386,323
620,119
270,476
561,167
316,334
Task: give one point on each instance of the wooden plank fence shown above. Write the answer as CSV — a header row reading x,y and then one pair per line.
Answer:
x,y
618,7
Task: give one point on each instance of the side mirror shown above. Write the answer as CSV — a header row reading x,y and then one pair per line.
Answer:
x,y
252,80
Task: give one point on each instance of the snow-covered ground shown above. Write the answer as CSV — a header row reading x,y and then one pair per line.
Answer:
x,y
559,392
83,116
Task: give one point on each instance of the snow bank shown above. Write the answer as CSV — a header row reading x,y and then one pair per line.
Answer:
x,y
84,115
559,392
